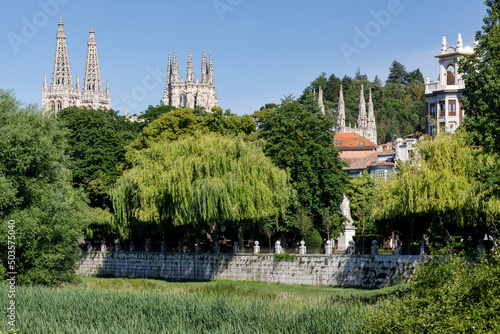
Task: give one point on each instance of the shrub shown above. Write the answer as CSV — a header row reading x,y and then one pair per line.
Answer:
x,y
449,293
313,239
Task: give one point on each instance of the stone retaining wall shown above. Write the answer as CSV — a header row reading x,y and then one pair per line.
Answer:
x,y
344,270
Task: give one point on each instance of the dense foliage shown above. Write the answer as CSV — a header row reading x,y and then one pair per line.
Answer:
x,y
441,191
36,192
449,293
203,181
301,142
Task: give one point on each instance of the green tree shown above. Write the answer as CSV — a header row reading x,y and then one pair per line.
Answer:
x,y
361,194
153,113
480,71
302,142
444,185
206,181
397,74
37,194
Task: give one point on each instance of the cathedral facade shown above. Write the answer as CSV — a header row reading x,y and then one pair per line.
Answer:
x,y
190,92
62,93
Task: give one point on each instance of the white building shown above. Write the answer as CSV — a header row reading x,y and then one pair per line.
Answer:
x,y
442,97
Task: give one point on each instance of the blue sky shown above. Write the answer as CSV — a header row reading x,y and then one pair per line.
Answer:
x,y
261,50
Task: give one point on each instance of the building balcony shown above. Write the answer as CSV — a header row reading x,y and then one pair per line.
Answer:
x,y
434,86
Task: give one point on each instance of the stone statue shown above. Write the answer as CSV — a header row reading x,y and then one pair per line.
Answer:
x,y
163,246
346,210
89,246
148,246
132,246
117,245
236,247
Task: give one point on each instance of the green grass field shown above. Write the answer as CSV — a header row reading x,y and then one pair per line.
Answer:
x,y
120,305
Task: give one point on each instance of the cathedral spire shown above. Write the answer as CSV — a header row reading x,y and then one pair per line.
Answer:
x,y
175,68
204,70
341,117
45,88
93,95
371,129
126,109
321,105
362,114
108,95
190,71
210,69
78,82
169,68
61,77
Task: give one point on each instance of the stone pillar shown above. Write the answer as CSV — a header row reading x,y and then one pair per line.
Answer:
x,y
179,246
197,249
103,246
256,248
132,246
277,247
163,246
302,248
480,247
236,247
328,248
374,248
147,248
117,245
397,248
351,249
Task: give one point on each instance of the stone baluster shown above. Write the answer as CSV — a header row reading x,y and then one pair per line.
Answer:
x,y
328,247
422,247
302,248
236,247
374,248
277,247
256,248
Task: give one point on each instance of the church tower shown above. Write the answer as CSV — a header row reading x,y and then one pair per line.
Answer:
x,y
61,94
93,96
321,105
191,92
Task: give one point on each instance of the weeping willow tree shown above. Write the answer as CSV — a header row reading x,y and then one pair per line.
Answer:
x,y
446,184
205,180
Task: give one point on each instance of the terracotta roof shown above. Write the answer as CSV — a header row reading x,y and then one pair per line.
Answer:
x,y
361,162
352,141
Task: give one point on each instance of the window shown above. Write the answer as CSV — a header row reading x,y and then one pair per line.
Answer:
x,y
432,110
338,142
452,107
441,108
361,143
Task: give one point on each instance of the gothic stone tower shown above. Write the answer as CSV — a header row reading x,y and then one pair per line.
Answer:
x,y
190,92
62,94
442,97
92,96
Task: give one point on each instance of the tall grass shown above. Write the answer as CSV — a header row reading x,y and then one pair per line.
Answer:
x,y
218,308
